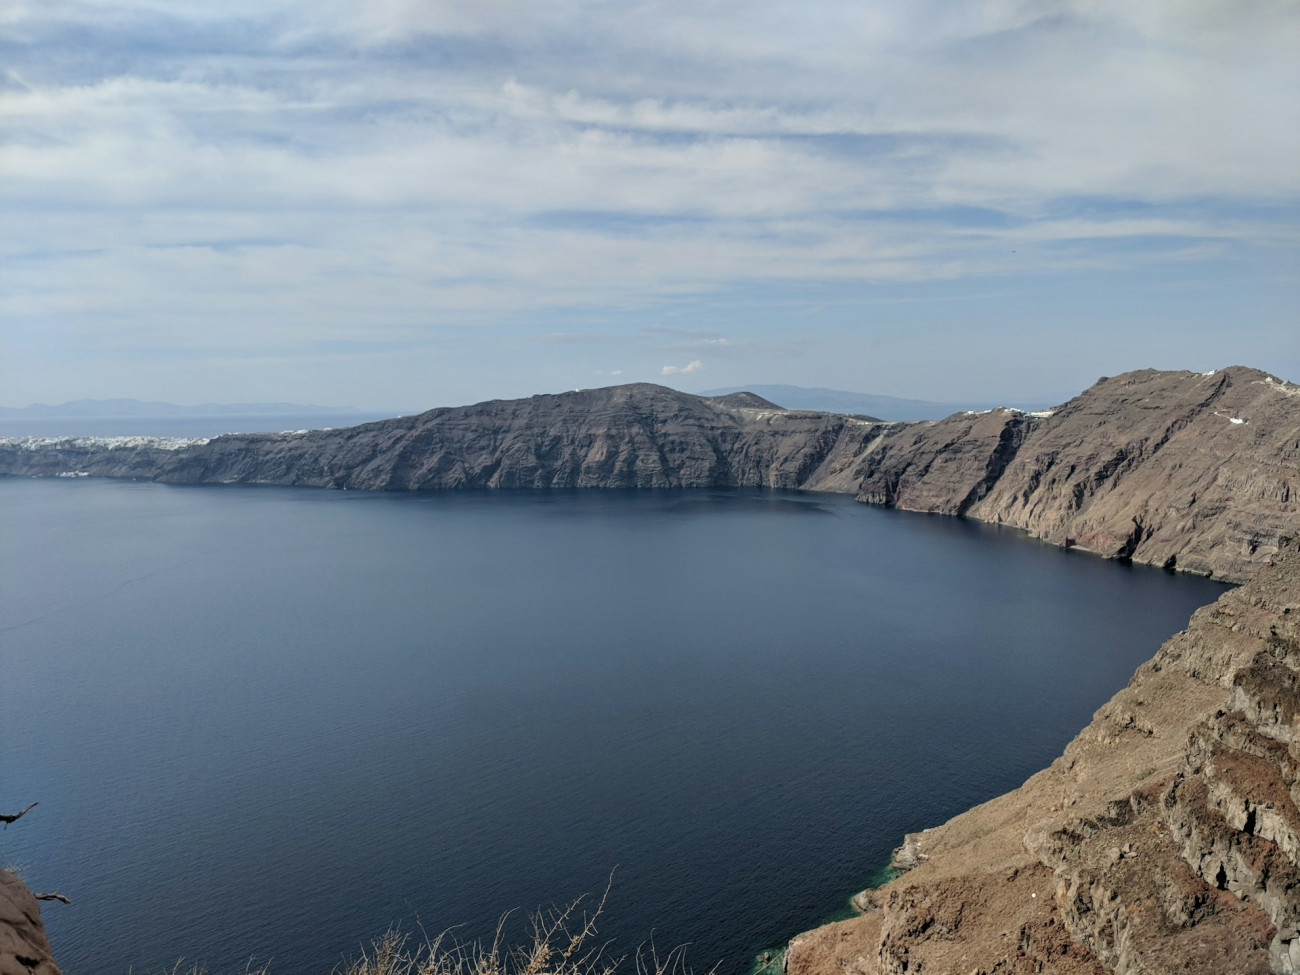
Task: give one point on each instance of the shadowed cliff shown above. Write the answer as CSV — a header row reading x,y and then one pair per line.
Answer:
x,y
1194,472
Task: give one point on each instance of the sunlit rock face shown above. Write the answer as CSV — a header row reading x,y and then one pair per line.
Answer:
x,y
24,949
1166,838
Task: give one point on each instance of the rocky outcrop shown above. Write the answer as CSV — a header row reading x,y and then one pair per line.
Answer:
x,y
24,949
1166,838
1195,472
1190,471
635,436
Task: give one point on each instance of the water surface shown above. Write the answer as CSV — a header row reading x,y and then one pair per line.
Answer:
x,y
270,722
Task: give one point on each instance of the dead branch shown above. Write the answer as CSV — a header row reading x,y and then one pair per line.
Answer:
x,y
7,819
52,896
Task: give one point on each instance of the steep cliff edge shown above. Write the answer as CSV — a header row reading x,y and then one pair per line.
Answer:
x,y
1195,472
1166,838
634,436
24,949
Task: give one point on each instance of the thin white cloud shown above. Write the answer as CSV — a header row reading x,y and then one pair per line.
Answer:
x,y
695,365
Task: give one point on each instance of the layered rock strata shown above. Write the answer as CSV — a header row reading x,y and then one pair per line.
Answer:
x,y
1165,839
1195,472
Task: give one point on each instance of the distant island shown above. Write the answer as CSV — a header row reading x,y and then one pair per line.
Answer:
x,y
116,408
868,404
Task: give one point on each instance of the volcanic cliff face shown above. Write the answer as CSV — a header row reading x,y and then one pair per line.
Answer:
x,y
1195,472
635,436
1165,839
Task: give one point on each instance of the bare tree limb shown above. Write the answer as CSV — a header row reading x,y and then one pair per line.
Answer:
x,y
7,819
52,896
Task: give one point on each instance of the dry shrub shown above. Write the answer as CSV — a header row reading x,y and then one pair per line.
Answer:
x,y
561,943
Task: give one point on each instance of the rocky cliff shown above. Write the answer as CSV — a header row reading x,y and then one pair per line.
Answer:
x,y
24,949
1195,472
1165,839
635,436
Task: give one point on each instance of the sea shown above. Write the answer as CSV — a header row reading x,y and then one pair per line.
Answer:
x,y
270,724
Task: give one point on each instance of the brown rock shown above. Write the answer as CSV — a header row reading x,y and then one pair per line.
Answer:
x,y
1197,473
1170,847
24,949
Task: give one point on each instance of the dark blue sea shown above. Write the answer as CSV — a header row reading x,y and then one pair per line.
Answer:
x,y
270,723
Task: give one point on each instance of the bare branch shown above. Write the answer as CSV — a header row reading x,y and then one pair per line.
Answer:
x,y
7,819
52,896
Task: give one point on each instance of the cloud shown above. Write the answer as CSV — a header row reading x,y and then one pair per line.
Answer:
x,y
252,175
695,365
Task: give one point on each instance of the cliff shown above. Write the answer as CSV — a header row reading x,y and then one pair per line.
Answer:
x,y
634,436
1194,472
24,949
1166,838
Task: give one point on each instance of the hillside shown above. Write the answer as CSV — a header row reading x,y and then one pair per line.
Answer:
x,y
1194,472
1165,839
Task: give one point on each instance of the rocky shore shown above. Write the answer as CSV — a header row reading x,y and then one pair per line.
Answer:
x,y
1165,839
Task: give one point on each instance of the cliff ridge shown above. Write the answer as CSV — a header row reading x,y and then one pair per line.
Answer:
x,y
1195,472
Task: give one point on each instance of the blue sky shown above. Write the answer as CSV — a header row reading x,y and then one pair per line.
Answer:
x,y
403,204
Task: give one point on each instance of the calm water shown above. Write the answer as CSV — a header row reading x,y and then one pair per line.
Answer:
x,y
272,722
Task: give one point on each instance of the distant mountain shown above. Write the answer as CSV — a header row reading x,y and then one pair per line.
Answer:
x,y
134,407
868,404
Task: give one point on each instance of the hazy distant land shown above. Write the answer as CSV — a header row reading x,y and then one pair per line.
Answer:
x,y
868,404
145,408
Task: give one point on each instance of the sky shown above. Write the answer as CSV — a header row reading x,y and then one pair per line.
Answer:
x,y
400,204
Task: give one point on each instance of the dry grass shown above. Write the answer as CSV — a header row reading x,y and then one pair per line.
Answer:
x,y
561,942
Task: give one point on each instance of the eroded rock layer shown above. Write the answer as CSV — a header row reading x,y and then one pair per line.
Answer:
x,y
1165,839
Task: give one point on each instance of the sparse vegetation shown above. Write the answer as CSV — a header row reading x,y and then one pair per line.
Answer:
x,y
561,942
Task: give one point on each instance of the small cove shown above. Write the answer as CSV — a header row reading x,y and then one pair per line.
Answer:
x,y
270,722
